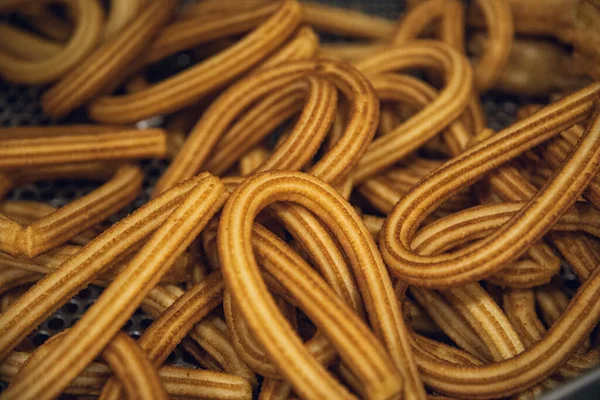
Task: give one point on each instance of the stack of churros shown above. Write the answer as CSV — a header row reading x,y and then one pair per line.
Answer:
x,y
337,220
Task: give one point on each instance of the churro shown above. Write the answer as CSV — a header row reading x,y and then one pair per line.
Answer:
x,y
333,220
176,92
83,40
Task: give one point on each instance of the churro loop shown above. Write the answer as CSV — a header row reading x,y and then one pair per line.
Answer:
x,y
62,225
79,148
106,63
555,199
298,283
517,374
265,188
191,85
451,32
124,294
334,165
510,185
87,33
25,45
388,149
330,263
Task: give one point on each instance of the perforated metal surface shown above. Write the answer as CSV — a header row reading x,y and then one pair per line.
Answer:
x,y
20,105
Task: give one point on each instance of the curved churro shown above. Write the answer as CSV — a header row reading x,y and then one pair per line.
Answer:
x,y
346,22
41,17
422,16
119,15
480,261
25,45
499,21
313,124
42,151
388,149
353,143
106,63
189,86
124,294
294,284
521,310
133,369
85,37
256,194
451,32
60,226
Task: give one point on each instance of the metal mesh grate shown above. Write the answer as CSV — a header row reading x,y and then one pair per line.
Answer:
x,y
20,105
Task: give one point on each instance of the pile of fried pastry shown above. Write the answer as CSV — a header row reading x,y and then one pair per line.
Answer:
x,y
337,220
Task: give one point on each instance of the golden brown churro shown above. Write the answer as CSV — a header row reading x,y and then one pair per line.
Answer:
x,y
345,22
199,204
42,151
64,224
189,86
107,62
223,111
85,37
94,258
304,189
178,382
289,162
25,45
466,265
124,355
390,148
